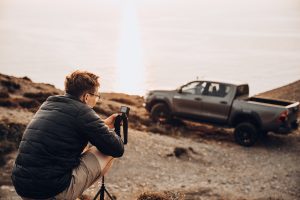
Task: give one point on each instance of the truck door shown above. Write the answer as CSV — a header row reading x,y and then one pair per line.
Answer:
x,y
187,102
216,102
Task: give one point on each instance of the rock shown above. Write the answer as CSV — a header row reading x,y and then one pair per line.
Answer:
x,y
179,152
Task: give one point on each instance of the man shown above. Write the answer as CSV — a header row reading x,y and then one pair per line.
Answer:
x,y
51,162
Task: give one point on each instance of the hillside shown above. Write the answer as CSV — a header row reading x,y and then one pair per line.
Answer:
x,y
288,92
194,160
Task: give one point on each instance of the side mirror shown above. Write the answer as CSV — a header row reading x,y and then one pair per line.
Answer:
x,y
179,90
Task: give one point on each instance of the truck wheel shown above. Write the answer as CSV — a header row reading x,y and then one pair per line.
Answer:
x,y
160,113
245,134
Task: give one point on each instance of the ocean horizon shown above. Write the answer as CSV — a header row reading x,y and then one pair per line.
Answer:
x,y
135,46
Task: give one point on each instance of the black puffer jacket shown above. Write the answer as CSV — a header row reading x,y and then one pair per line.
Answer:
x,y
53,142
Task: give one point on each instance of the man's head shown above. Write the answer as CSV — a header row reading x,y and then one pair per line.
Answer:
x,y
84,86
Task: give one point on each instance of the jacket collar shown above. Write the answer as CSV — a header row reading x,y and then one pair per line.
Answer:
x,y
72,97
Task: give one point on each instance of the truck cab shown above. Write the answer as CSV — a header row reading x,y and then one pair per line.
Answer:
x,y
207,100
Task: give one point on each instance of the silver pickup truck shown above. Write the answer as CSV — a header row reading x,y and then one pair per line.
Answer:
x,y
225,104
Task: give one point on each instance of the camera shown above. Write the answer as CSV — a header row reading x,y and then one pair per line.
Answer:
x,y
124,110
122,120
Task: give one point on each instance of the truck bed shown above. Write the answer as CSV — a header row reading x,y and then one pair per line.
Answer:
x,y
269,101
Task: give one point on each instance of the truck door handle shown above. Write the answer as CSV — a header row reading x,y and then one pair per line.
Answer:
x,y
223,102
198,99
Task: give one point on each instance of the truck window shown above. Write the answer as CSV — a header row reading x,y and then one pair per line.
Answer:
x,y
200,88
216,89
242,90
190,88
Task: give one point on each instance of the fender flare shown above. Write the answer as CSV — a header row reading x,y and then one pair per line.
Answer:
x,y
164,100
246,117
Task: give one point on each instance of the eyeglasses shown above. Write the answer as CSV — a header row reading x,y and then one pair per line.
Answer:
x,y
97,95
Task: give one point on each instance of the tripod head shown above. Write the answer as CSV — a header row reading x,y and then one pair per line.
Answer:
x,y
122,120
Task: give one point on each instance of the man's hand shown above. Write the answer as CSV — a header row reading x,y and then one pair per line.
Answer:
x,y
110,121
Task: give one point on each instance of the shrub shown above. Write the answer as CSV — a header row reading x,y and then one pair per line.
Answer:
x,y
10,137
26,78
123,101
4,94
7,103
166,195
29,104
10,85
40,96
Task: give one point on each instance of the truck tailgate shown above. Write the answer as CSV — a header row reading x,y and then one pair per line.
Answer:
x,y
293,111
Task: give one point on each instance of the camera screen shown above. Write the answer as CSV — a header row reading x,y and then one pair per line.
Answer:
x,y
124,109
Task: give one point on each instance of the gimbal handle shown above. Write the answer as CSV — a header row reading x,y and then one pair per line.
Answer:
x,y
122,118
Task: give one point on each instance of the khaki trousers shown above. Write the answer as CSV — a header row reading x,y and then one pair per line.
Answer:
x,y
93,165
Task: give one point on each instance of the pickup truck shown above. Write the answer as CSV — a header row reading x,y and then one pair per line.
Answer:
x,y
225,104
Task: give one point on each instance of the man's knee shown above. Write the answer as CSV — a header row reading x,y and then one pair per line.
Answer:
x,y
104,160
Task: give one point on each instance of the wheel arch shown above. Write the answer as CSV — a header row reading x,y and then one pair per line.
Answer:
x,y
154,102
252,118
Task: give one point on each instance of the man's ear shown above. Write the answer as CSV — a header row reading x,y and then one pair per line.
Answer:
x,y
84,97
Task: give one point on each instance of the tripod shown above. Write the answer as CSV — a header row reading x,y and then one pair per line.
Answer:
x,y
102,191
117,124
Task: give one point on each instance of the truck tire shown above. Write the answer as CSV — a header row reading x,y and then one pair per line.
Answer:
x,y
245,134
160,113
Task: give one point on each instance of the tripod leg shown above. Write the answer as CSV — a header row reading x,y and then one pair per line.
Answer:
x,y
109,195
101,191
97,195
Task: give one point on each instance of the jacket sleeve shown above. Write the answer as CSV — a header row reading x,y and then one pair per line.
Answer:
x,y
98,134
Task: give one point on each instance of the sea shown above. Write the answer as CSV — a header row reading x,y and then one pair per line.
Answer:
x,y
139,45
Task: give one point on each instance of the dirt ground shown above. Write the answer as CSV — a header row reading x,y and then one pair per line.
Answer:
x,y
196,161
206,169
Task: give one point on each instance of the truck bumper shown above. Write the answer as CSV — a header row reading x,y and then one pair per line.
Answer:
x,y
288,128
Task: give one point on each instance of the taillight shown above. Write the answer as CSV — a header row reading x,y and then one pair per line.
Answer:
x,y
283,116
